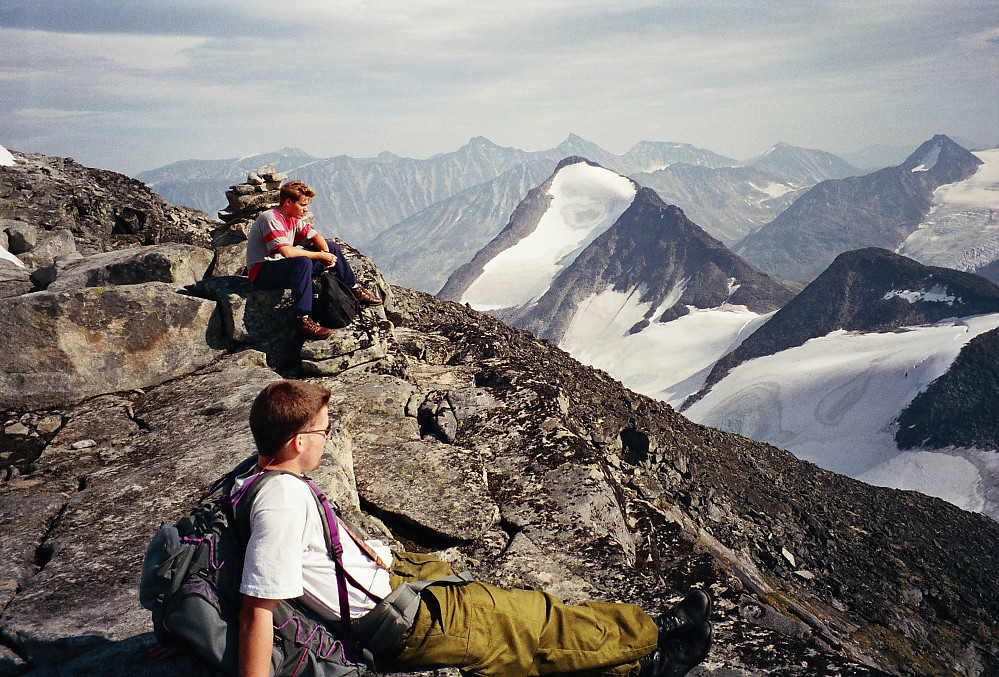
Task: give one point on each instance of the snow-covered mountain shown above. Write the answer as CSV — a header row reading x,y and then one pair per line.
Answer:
x,y
961,230
866,290
422,250
875,210
604,268
829,375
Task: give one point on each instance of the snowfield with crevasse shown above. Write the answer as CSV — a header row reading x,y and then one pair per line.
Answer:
x,y
585,202
961,230
834,400
666,360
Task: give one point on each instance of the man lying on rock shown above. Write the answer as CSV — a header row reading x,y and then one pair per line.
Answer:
x,y
476,627
274,260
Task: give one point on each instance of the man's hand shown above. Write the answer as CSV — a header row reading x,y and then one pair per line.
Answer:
x,y
256,636
289,252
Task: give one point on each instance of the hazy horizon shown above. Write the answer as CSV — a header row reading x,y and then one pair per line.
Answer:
x,y
133,86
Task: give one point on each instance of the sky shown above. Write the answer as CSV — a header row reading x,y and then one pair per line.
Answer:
x,y
134,85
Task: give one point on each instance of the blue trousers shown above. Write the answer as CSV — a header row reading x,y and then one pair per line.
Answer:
x,y
296,274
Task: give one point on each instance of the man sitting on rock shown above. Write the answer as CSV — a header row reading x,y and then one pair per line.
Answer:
x,y
478,628
275,261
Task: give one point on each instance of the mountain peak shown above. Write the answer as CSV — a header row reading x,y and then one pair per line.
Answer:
x,y
939,154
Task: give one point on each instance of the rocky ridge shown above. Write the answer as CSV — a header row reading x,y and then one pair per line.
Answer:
x,y
56,208
533,469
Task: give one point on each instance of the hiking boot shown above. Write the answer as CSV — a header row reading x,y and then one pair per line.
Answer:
x,y
691,612
364,296
679,655
307,328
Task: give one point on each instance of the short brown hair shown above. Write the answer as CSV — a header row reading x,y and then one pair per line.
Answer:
x,y
282,409
295,191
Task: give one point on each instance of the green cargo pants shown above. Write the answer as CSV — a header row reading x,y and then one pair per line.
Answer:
x,y
489,631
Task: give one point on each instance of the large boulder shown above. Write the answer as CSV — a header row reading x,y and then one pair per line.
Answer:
x,y
62,347
50,245
178,264
437,489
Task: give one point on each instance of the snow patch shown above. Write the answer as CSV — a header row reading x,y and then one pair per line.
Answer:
x,y
929,161
833,401
6,159
586,201
961,230
772,189
7,256
666,360
936,294
954,479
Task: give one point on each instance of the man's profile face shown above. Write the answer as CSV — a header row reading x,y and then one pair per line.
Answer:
x,y
296,210
315,443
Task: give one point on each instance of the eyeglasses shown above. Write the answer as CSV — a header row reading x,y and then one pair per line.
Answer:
x,y
325,433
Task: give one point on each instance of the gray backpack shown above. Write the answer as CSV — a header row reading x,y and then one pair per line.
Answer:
x,y
190,582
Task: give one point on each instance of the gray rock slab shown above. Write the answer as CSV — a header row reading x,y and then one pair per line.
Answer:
x,y
62,347
436,487
14,280
347,348
175,263
81,597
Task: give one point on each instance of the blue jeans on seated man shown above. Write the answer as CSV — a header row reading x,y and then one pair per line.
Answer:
x,y
296,274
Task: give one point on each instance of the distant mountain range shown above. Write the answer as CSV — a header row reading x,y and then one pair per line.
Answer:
x,y
875,210
421,219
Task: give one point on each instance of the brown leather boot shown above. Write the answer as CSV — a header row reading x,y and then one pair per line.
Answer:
x,y
365,297
308,329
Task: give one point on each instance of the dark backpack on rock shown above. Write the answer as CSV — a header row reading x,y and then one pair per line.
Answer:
x,y
334,306
190,581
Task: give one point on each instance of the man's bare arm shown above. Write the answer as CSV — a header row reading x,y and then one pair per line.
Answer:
x,y
256,636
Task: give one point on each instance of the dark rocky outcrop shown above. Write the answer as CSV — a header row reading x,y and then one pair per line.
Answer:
x,y
55,206
503,454
961,408
875,210
868,290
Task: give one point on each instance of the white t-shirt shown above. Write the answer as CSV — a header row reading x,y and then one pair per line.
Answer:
x,y
286,557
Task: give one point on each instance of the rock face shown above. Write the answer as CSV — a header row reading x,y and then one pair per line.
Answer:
x,y
500,452
960,408
65,346
875,210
